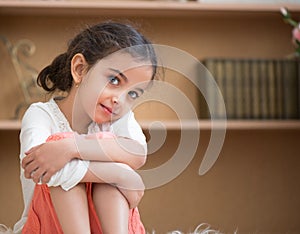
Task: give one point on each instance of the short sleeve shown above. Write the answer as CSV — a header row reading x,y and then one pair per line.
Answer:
x,y
36,127
70,175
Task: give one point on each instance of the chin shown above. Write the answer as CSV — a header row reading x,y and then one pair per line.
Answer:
x,y
101,120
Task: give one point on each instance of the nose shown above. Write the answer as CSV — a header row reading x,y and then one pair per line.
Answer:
x,y
115,100
118,98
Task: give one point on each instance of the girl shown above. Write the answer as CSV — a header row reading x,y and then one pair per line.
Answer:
x,y
87,176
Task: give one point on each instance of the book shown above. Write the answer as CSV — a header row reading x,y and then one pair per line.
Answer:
x,y
290,89
209,74
214,88
263,89
246,89
229,89
278,99
271,89
256,88
238,85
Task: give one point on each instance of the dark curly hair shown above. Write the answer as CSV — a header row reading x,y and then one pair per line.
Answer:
x,y
95,43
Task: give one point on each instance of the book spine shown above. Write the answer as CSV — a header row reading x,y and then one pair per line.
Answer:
x,y
209,87
255,94
263,90
239,89
220,80
290,89
271,88
257,89
279,88
246,85
229,88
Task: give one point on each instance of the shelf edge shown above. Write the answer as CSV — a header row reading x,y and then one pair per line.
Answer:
x,y
133,8
10,124
228,125
190,125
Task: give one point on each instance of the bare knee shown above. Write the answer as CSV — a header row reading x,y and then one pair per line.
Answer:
x,y
105,190
71,209
111,208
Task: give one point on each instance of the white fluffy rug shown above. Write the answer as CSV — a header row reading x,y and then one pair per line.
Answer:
x,y
200,229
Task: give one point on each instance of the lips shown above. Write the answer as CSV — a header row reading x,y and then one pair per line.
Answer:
x,y
107,109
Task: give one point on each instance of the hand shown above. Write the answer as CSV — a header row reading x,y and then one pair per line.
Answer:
x,y
100,135
43,161
131,185
133,197
129,182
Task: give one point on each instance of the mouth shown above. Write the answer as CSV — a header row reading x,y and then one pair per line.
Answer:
x,y
108,110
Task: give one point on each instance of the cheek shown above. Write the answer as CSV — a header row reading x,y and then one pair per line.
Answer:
x,y
89,97
92,88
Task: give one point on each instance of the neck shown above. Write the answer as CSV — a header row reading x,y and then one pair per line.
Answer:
x,y
74,113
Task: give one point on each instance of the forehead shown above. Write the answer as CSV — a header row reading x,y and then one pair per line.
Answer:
x,y
124,61
134,69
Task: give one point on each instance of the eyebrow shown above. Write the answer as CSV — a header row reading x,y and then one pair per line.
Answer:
x,y
119,73
125,78
141,90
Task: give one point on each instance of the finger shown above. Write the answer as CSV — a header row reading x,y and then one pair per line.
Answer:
x,y
138,197
133,197
26,160
37,174
134,202
29,169
32,149
45,178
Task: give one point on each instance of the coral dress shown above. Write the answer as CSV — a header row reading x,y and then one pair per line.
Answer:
x,y
42,218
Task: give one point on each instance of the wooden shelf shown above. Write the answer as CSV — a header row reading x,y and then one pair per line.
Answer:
x,y
190,125
10,125
132,8
230,124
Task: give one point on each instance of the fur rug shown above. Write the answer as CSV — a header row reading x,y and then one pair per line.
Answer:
x,y
202,228
5,230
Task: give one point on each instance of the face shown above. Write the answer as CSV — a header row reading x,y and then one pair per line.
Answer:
x,y
111,86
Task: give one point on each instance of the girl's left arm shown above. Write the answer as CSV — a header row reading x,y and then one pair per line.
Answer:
x,y
119,150
128,148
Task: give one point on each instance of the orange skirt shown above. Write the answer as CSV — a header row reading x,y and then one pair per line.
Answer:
x,y
42,218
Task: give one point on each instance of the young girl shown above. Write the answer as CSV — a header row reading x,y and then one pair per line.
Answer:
x,y
85,170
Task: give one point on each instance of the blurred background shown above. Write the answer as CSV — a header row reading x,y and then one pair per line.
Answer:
x,y
254,185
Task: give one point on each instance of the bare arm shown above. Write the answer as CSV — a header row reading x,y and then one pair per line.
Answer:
x,y
117,174
46,159
117,149
120,175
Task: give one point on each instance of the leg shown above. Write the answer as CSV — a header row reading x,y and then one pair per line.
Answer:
x,y
71,209
112,209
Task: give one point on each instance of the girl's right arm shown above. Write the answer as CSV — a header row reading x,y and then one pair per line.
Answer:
x,y
129,147
120,175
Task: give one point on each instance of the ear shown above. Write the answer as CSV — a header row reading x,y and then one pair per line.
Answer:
x,y
78,67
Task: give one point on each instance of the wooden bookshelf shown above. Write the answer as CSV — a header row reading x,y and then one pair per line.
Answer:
x,y
130,8
227,125
258,167
190,125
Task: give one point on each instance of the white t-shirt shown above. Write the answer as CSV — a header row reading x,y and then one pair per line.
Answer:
x,y
44,119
